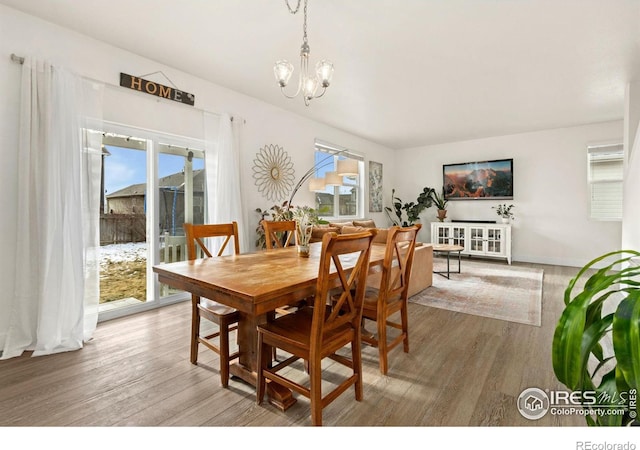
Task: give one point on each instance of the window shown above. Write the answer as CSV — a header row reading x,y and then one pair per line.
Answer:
x,y
606,167
338,201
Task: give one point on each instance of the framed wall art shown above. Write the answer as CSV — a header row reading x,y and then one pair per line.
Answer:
x,y
273,172
375,186
488,180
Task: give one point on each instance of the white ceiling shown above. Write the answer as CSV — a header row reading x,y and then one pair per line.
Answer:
x,y
407,72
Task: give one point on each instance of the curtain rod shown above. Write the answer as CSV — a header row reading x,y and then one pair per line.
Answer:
x,y
20,60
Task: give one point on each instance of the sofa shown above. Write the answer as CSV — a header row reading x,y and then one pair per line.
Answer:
x,y
421,271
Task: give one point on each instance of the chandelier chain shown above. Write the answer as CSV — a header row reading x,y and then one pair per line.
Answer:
x,y
292,11
304,28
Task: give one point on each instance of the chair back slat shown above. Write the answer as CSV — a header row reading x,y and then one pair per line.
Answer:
x,y
196,234
278,234
398,259
349,282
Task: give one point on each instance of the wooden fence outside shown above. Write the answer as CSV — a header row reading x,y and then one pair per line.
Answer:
x,y
122,228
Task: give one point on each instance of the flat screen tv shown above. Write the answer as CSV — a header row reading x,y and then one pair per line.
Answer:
x,y
482,180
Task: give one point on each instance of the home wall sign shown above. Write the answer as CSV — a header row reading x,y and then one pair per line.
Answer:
x,y
153,88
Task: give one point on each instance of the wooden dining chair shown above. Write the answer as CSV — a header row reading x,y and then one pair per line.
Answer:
x,y
279,234
222,315
391,297
314,333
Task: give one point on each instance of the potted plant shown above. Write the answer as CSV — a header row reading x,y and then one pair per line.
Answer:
x,y
504,212
586,332
440,202
411,209
305,217
277,213
284,212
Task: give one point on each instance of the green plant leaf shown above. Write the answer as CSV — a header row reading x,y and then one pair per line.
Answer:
x,y
608,386
591,339
626,338
601,364
567,343
581,330
568,353
589,266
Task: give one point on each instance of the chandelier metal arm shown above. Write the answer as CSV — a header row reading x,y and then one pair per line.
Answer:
x,y
324,89
282,88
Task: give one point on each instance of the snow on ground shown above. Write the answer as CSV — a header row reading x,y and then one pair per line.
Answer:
x,y
123,252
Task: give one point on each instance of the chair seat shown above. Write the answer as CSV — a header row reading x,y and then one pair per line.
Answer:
x,y
294,330
216,308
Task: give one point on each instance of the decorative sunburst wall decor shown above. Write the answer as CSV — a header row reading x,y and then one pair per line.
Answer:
x,y
273,172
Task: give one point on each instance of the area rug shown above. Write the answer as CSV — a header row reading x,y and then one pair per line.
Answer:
x,y
488,289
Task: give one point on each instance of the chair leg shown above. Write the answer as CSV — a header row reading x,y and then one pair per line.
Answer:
x,y
315,374
271,315
382,344
261,382
224,353
405,326
195,328
356,357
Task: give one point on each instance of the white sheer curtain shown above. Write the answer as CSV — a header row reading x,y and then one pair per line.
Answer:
x,y
54,307
222,163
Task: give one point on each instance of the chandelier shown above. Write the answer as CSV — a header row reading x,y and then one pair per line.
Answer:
x,y
308,83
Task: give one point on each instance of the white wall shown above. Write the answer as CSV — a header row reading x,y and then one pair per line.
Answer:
x,y
631,216
25,35
550,190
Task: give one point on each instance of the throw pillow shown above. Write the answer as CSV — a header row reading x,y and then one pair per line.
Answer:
x,y
349,229
364,223
381,237
340,225
320,230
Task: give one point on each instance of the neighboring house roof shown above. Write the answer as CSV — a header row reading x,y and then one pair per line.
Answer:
x,y
175,180
130,191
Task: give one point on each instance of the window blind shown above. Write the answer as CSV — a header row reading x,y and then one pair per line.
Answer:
x,y
606,171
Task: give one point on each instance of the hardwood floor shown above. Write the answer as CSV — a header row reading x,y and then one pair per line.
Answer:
x,y
462,370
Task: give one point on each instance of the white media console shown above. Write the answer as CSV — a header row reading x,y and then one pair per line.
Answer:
x,y
477,239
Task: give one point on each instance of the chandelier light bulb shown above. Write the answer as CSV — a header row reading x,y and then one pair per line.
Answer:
x,y
283,71
310,86
324,70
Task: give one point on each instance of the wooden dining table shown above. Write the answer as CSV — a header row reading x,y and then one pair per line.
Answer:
x,y
255,284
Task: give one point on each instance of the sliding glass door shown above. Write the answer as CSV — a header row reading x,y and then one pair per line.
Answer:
x,y
152,184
